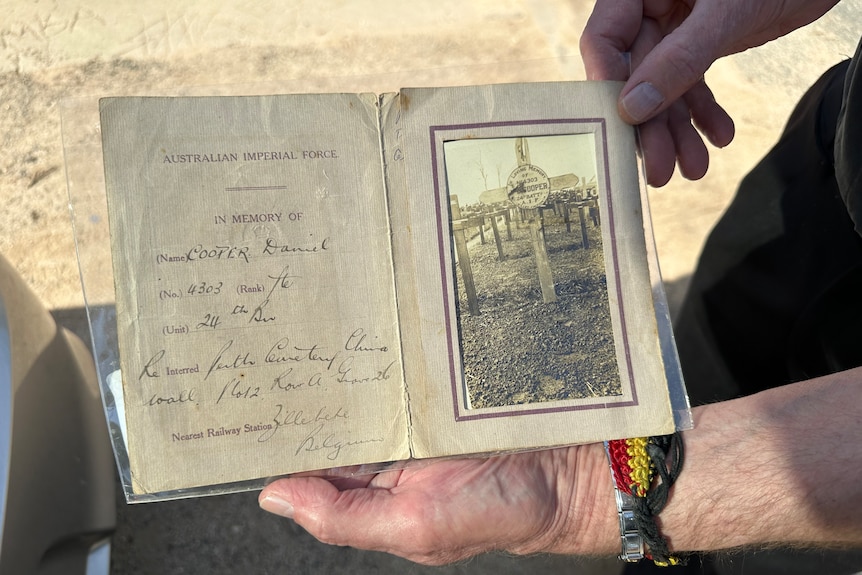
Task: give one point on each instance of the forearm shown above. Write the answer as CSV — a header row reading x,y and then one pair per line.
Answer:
x,y
780,467
777,468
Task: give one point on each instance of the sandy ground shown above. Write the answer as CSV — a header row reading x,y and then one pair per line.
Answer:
x,y
50,51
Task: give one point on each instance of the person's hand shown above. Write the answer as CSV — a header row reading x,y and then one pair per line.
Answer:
x,y
438,512
672,43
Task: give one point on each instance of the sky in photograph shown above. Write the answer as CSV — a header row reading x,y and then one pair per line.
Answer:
x,y
555,155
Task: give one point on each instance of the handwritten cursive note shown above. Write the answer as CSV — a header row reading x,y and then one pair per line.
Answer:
x,y
256,315
256,243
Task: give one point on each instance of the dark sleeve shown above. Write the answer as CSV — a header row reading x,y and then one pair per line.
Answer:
x,y
848,142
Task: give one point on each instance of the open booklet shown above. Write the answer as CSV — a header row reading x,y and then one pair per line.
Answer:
x,y
314,281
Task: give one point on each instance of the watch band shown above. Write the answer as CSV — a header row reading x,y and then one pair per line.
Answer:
x,y
631,542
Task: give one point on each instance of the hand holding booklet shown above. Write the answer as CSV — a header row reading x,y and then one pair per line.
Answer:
x,y
306,282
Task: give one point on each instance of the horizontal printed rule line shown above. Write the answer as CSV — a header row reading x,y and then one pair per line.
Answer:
x,y
254,188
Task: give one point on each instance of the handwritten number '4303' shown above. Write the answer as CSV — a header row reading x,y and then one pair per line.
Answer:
x,y
204,288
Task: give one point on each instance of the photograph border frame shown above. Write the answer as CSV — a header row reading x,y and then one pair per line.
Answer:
x,y
439,134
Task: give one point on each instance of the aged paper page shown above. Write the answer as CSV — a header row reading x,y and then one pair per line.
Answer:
x,y
533,323
255,294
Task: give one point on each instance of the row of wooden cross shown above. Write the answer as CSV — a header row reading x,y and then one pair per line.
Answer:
x,y
462,223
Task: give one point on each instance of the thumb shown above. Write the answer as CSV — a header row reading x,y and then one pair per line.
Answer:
x,y
318,505
666,68
363,518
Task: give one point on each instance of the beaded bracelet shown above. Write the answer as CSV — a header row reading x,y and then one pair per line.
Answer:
x,y
635,465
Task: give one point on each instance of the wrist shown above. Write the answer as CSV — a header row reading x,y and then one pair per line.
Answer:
x,y
598,526
723,497
771,469
586,522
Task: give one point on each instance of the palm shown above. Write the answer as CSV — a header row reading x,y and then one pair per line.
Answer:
x,y
447,510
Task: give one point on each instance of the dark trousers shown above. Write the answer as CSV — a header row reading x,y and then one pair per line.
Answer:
x,y
777,293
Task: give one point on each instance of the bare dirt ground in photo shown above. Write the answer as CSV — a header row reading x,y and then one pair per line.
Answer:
x,y
521,350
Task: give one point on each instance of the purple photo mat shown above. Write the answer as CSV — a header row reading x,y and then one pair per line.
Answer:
x,y
443,242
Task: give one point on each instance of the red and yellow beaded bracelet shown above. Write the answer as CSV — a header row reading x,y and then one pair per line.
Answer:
x,y
642,481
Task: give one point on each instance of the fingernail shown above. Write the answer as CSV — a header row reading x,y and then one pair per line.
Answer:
x,y
276,505
642,101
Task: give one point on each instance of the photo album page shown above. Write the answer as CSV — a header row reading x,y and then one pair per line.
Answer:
x,y
322,282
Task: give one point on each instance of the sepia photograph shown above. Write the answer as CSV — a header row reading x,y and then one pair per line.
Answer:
x,y
532,304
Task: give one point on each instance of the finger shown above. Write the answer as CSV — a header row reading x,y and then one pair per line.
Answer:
x,y
350,481
656,142
658,150
381,476
610,31
669,70
691,153
710,118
